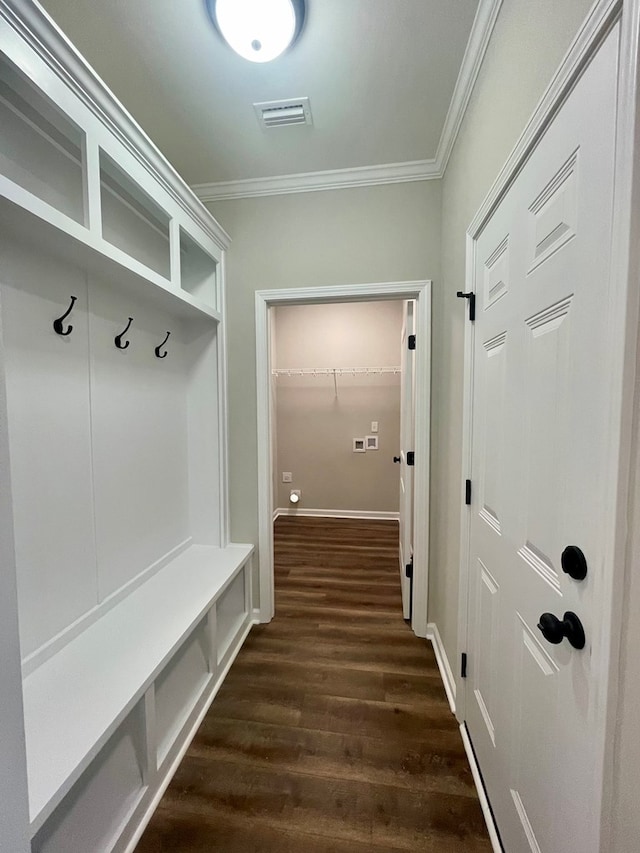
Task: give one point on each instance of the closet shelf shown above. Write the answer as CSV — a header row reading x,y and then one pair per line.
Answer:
x,y
76,699
333,371
34,222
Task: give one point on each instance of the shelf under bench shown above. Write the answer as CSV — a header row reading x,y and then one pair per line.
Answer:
x,y
76,699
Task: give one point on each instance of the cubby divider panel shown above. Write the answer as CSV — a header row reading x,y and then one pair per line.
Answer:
x,y
40,148
179,687
231,611
140,437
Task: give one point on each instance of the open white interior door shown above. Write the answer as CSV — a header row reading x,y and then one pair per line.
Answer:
x,y
542,403
407,430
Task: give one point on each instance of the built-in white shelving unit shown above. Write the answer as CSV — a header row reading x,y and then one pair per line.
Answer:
x,y
131,601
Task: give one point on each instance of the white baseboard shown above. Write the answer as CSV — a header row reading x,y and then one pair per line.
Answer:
x,y
337,513
482,794
443,664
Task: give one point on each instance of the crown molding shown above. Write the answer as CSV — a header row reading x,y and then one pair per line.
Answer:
x,y
334,179
388,173
33,24
39,30
481,30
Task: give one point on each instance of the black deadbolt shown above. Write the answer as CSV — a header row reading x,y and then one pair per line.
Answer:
x,y
574,563
554,631
396,459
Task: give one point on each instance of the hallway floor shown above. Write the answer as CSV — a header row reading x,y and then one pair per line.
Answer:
x,y
332,732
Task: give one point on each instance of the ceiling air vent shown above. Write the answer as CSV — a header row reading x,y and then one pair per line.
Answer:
x,y
284,113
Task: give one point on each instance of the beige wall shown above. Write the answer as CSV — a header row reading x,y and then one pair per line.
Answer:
x,y
372,234
625,824
317,418
527,46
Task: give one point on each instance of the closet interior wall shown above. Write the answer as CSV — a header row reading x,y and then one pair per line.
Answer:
x,y
337,371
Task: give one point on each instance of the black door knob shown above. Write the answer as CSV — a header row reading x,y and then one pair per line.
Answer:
x,y
574,563
397,459
554,631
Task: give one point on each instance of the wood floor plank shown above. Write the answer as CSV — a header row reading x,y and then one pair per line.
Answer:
x,y
331,732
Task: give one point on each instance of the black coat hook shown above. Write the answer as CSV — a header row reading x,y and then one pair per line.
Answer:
x,y
57,324
118,338
159,347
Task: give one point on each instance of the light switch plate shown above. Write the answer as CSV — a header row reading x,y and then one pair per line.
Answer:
x,y
287,477
374,426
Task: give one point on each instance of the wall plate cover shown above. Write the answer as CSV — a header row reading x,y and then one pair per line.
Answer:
x,y
371,442
359,445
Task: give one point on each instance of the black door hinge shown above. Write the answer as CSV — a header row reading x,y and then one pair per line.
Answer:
x,y
463,665
408,569
412,341
467,492
410,457
472,303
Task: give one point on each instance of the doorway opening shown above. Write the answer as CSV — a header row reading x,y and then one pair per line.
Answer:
x,y
270,495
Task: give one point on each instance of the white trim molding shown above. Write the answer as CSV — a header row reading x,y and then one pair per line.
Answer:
x,y
333,179
483,24
386,173
265,299
304,512
33,24
489,819
433,635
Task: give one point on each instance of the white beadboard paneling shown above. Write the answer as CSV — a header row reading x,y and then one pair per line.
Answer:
x,y
139,414
50,441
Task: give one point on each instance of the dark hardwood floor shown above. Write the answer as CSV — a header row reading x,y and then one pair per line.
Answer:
x,y
332,732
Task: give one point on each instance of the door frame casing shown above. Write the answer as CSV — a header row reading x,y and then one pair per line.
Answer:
x,y
420,291
622,333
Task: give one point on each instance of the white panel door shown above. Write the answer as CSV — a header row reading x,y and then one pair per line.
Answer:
x,y
541,405
407,429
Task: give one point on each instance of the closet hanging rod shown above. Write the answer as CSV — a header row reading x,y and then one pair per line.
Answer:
x,y
332,371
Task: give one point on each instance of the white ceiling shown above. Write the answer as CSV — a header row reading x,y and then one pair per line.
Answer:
x,y
380,75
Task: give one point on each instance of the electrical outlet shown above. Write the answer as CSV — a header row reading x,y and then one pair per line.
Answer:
x,y
287,477
374,426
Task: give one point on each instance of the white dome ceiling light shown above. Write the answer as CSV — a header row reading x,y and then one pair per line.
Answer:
x,y
258,30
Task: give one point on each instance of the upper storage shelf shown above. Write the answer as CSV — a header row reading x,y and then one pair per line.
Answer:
x,y
131,220
40,148
78,173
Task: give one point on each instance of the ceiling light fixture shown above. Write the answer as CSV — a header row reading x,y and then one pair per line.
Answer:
x,y
258,30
